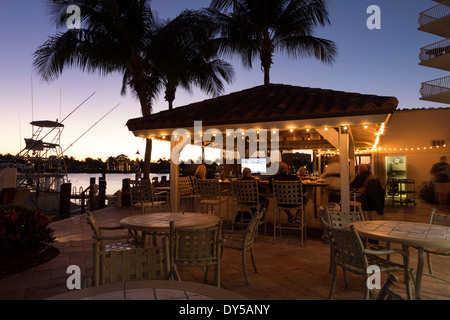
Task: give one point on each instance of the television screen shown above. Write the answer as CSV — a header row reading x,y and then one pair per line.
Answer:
x,y
256,165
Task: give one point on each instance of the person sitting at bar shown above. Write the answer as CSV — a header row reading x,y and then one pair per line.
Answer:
x,y
302,173
247,175
200,173
283,175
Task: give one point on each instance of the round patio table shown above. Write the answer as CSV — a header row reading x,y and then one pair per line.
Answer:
x,y
151,290
160,222
408,234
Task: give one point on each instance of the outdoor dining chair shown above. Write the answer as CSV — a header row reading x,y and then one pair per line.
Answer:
x,y
243,239
349,253
151,263
143,194
288,195
337,219
196,247
210,195
342,219
116,242
441,220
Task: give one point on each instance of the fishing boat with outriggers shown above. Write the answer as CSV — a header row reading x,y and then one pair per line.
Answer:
x,y
35,175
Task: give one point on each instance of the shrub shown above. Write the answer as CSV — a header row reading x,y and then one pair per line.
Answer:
x,y
426,191
23,230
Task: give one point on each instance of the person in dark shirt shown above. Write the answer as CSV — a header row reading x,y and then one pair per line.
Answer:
x,y
283,175
441,172
362,178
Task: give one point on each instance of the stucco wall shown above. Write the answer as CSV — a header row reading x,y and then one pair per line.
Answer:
x,y
412,129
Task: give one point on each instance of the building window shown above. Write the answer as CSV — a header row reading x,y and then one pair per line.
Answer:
x,y
437,143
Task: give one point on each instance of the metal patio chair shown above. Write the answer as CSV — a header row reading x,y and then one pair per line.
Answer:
x,y
196,247
288,195
349,253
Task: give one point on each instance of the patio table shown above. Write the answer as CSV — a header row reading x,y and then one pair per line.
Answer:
x,y
160,222
151,290
408,234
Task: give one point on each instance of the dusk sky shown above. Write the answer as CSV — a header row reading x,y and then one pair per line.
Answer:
x,y
381,62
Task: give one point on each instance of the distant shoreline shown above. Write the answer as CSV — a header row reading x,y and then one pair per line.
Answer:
x,y
115,172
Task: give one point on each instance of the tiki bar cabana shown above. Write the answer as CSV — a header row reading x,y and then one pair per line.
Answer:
x,y
325,121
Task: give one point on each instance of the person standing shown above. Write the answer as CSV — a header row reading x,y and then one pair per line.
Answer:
x,y
332,175
441,172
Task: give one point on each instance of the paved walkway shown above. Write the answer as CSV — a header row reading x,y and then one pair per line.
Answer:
x,y
286,271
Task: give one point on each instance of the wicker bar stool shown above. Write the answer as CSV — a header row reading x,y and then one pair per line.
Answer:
x,y
246,195
288,195
187,194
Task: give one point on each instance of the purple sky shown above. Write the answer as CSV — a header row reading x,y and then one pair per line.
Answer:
x,y
381,62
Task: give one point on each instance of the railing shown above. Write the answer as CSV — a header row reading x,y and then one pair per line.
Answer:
x,y
435,87
88,194
435,50
435,13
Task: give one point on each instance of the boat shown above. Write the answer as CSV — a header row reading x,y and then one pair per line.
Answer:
x,y
39,170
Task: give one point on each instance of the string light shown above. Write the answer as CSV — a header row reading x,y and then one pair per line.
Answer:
x,y
403,148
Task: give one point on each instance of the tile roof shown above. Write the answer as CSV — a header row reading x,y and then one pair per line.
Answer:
x,y
274,102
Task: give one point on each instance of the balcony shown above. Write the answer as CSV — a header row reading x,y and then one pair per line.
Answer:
x,y
436,90
436,20
436,55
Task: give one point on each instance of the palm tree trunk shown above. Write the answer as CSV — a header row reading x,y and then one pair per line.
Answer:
x,y
170,94
266,56
266,75
140,86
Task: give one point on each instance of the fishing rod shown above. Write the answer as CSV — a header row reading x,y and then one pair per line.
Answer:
x,y
91,127
77,107
37,142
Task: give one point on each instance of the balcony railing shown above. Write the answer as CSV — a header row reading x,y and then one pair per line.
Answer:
x,y
435,50
435,87
435,13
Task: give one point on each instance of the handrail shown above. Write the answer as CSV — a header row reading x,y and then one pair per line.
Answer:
x,y
82,196
435,50
435,13
435,87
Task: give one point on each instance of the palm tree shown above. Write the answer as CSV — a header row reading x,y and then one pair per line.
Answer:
x,y
184,55
113,38
260,27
